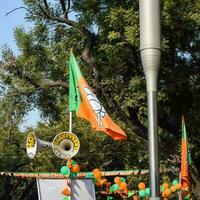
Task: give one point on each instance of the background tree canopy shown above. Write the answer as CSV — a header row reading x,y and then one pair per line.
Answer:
x,y
105,38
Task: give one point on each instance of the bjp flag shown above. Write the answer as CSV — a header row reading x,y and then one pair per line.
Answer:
x,y
184,158
86,105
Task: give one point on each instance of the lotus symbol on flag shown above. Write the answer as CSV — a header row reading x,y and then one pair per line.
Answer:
x,y
96,105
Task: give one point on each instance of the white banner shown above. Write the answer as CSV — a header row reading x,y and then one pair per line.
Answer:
x,y
51,189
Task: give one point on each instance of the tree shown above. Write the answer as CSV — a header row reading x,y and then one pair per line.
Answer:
x,y
105,37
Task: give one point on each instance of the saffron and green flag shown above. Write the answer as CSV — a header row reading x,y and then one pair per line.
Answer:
x,y
86,105
184,158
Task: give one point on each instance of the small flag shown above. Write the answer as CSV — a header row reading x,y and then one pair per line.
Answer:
x,y
184,158
86,105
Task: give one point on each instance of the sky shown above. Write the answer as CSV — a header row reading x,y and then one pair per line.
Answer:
x,y
7,25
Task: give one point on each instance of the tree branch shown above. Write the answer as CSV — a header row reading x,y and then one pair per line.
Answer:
x,y
43,87
86,55
139,128
65,10
46,13
68,6
46,5
89,41
18,8
131,121
135,125
55,84
60,19
26,93
63,6
28,79
90,37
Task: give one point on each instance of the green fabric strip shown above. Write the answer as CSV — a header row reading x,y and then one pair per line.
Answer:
x,y
74,76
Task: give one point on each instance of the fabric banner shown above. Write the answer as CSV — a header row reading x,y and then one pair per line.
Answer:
x,y
81,189
85,103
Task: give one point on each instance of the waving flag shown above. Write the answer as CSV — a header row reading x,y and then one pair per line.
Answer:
x,y
184,158
86,105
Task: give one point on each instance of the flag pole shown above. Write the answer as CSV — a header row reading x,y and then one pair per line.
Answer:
x,y
70,112
70,121
180,193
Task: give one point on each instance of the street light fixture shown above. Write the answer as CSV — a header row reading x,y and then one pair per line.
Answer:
x,y
150,50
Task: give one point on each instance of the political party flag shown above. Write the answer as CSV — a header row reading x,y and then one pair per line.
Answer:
x,y
184,158
86,105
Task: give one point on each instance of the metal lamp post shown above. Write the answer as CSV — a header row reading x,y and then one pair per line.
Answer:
x,y
150,49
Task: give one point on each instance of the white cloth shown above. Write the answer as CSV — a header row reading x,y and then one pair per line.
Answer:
x,y
51,189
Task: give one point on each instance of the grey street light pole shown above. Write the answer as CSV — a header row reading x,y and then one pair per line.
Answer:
x,y
150,49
